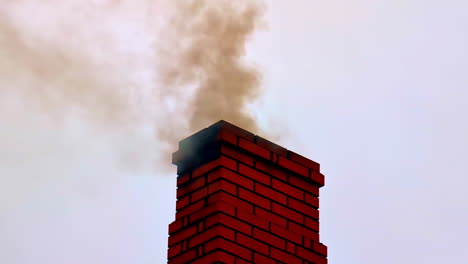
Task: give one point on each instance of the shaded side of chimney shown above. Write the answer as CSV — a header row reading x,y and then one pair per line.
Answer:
x,y
243,199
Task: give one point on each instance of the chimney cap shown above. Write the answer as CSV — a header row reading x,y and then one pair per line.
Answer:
x,y
204,146
206,140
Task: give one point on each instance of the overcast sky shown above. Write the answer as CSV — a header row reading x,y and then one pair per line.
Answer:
x,y
374,90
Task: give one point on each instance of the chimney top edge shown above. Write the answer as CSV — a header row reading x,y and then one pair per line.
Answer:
x,y
209,138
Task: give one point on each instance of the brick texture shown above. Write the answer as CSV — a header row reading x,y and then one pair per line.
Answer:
x,y
243,199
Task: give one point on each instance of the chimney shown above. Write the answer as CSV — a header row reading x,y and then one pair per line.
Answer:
x,y
243,199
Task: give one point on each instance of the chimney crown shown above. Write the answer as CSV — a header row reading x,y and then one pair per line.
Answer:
x,y
205,145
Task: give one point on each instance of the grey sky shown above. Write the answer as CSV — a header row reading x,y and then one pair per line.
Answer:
x,y
375,91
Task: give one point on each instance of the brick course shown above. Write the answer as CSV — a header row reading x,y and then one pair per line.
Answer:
x,y
243,199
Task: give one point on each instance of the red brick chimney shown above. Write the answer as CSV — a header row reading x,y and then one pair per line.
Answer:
x,y
243,199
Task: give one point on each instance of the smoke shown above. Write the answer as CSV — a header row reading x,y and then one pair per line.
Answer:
x,y
95,92
178,78
203,49
58,75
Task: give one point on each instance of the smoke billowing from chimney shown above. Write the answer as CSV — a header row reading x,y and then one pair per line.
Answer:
x,y
186,76
203,49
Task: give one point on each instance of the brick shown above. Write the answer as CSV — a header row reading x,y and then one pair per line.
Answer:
x,y
218,206
271,146
190,187
262,166
318,178
182,202
236,155
254,198
218,185
301,207
242,261
273,218
291,248
228,137
293,166
233,248
210,233
186,257
175,226
238,179
174,250
195,183
226,126
260,259
222,185
286,234
222,161
192,208
230,222
254,174
270,193
310,255
284,256
307,243
216,257
182,235
199,194
307,232
274,157
252,219
232,200
255,149
268,238
287,213
184,178
311,200
287,189
303,161
320,248
303,184
312,224
315,214
254,244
